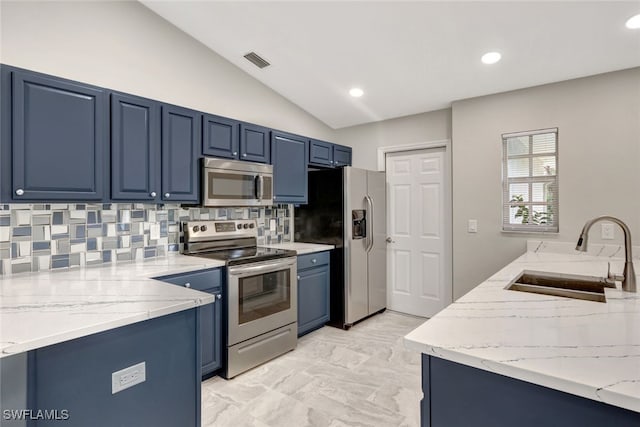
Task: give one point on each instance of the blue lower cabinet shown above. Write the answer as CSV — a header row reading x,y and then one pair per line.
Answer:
x,y
289,155
209,281
457,395
76,376
313,291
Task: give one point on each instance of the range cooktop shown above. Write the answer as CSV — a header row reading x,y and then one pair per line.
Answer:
x,y
240,256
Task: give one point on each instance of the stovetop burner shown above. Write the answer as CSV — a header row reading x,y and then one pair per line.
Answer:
x,y
231,241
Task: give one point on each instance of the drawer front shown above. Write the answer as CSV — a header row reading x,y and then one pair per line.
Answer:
x,y
313,260
199,280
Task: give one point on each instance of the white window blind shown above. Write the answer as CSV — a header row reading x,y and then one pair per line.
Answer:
x,y
530,181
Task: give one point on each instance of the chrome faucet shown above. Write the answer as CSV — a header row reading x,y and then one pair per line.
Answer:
x,y
628,277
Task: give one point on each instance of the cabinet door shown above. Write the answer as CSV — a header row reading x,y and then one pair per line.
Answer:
x,y
313,298
220,136
59,139
320,153
181,140
289,155
341,155
254,143
211,333
135,148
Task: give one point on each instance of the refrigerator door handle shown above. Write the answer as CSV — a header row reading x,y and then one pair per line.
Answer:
x,y
369,223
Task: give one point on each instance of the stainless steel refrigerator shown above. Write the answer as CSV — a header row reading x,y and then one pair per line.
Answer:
x,y
347,209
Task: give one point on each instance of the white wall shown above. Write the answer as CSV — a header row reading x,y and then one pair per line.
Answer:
x,y
125,46
365,139
598,164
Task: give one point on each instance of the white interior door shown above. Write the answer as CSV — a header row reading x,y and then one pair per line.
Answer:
x,y
416,226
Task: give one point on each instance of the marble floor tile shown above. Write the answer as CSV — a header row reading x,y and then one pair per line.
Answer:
x,y
334,378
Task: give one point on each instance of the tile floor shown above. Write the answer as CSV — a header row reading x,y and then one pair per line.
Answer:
x,y
361,377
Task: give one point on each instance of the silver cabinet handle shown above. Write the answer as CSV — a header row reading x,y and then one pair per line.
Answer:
x,y
19,191
235,153
244,155
167,195
187,285
219,296
313,261
153,194
298,277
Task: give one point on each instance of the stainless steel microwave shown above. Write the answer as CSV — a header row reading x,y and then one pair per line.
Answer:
x,y
236,183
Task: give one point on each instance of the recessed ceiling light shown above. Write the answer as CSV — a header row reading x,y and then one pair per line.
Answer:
x,y
633,23
491,57
356,92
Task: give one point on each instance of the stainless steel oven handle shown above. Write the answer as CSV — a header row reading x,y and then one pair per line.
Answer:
x,y
263,268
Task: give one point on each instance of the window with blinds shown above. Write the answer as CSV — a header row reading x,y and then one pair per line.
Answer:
x,y
530,181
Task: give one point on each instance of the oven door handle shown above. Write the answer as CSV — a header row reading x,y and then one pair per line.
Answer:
x,y
263,268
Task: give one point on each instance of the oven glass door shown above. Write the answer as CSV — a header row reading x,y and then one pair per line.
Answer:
x,y
231,186
262,297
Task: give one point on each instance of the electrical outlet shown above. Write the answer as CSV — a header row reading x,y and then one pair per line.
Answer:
x,y
472,226
608,231
128,377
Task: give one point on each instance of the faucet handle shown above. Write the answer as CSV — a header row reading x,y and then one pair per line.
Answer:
x,y
612,277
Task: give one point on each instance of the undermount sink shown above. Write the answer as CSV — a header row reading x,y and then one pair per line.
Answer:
x,y
562,285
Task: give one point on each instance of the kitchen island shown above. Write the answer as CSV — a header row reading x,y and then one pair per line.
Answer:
x,y
500,357
63,334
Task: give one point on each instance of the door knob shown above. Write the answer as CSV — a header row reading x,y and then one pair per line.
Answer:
x,y
389,240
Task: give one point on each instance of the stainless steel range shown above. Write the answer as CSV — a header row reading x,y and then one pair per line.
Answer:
x,y
261,291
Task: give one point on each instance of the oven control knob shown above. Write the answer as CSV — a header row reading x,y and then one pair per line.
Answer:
x,y
251,225
245,226
239,226
203,228
196,228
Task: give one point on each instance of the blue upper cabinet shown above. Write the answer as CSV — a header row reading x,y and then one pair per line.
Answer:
x,y
254,143
320,153
341,155
221,137
289,154
135,148
58,138
181,139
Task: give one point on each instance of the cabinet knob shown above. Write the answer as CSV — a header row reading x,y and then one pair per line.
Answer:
x,y
219,296
298,277
187,285
313,261
153,194
235,153
244,155
330,162
19,191
167,195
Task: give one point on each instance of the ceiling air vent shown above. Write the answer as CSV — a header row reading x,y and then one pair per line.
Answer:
x,y
256,60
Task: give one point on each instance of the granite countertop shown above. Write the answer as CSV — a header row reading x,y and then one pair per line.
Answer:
x,y
585,348
40,309
301,248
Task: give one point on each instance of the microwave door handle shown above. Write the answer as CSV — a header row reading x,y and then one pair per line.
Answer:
x,y
256,190
260,188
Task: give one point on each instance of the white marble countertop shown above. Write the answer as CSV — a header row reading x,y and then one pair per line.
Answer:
x,y
40,309
589,349
301,248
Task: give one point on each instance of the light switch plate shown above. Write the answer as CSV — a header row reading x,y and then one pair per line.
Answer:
x,y
608,232
128,377
472,226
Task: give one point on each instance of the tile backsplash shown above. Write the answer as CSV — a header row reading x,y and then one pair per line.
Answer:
x,y
41,237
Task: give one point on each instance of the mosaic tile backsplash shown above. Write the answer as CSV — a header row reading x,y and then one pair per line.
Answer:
x,y
57,236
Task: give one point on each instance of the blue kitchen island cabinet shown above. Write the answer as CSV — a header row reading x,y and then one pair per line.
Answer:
x,y
181,139
209,281
77,376
135,148
313,291
289,155
457,395
54,138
